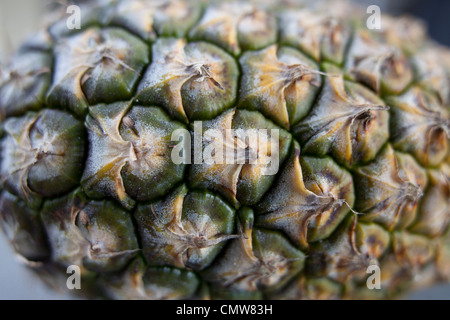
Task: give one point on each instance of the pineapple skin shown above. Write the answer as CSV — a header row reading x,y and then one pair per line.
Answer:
x,y
363,116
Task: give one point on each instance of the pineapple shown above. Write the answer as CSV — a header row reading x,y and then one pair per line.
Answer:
x,y
362,121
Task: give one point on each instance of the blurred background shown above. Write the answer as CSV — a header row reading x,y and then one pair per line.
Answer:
x,y
20,18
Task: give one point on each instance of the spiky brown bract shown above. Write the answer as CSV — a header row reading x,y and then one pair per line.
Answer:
x,y
87,176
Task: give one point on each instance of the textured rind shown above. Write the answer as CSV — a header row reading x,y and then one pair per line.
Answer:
x,y
364,160
187,230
